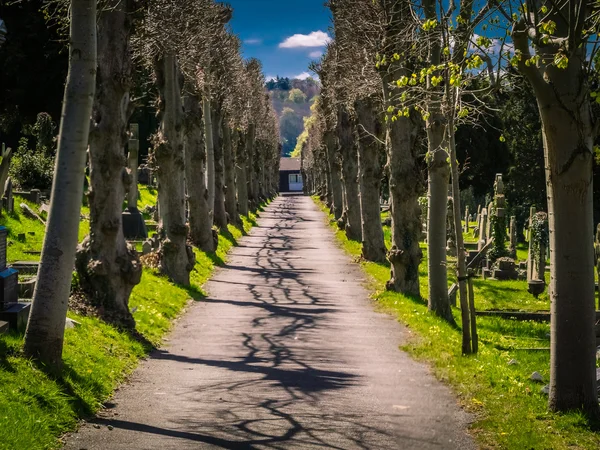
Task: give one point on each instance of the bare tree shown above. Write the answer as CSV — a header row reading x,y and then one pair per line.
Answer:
x,y
108,268
45,330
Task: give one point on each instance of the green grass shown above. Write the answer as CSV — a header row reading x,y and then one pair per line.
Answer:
x,y
510,411
35,410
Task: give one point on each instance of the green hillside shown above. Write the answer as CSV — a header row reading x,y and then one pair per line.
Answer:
x,y
292,100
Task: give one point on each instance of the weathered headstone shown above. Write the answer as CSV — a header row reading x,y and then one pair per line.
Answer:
x,y
7,197
132,162
9,281
11,311
512,246
488,227
467,219
146,247
483,229
134,226
450,229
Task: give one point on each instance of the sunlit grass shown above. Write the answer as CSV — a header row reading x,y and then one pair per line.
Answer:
x,y
36,409
509,409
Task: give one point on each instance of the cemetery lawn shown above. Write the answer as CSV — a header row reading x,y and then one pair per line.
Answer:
x,y
35,409
509,409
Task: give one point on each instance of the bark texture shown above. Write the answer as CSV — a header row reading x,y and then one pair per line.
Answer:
x,y
437,183
230,188
45,330
200,221
563,97
405,254
176,257
220,215
210,152
370,152
335,174
108,268
349,175
244,149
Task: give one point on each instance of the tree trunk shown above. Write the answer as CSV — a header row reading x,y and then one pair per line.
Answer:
x,y
210,153
563,97
335,171
244,149
250,154
370,174
437,183
108,268
231,204
220,215
461,257
405,254
176,257
200,220
46,327
568,142
349,175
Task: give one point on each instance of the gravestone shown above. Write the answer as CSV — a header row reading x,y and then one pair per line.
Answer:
x,y
146,247
11,311
450,229
134,226
512,246
467,219
488,227
7,197
483,229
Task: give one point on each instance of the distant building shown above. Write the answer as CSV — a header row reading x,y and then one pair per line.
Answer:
x,y
290,177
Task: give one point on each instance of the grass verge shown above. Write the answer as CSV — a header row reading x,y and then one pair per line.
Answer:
x,y
510,410
35,410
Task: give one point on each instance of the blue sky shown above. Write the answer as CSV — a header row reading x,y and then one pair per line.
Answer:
x,y
286,35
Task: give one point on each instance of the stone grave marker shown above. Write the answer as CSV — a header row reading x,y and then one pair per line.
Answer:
x,y
9,281
11,311
134,226
483,229
8,201
146,247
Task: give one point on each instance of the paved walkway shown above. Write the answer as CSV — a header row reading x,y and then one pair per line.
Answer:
x,y
286,352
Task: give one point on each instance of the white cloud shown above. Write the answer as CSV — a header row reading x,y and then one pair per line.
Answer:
x,y
316,54
302,76
270,78
253,41
314,39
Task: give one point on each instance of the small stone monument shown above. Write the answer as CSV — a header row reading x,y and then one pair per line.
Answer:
x,y
11,311
467,229
134,226
450,229
147,247
483,229
512,246
7,198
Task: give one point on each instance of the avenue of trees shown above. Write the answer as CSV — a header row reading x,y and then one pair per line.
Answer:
x,y
407,88
215,154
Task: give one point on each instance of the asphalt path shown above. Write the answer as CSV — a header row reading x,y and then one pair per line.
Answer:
x,y
287,351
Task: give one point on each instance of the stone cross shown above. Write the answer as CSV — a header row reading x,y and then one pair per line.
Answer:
x,y
132,163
